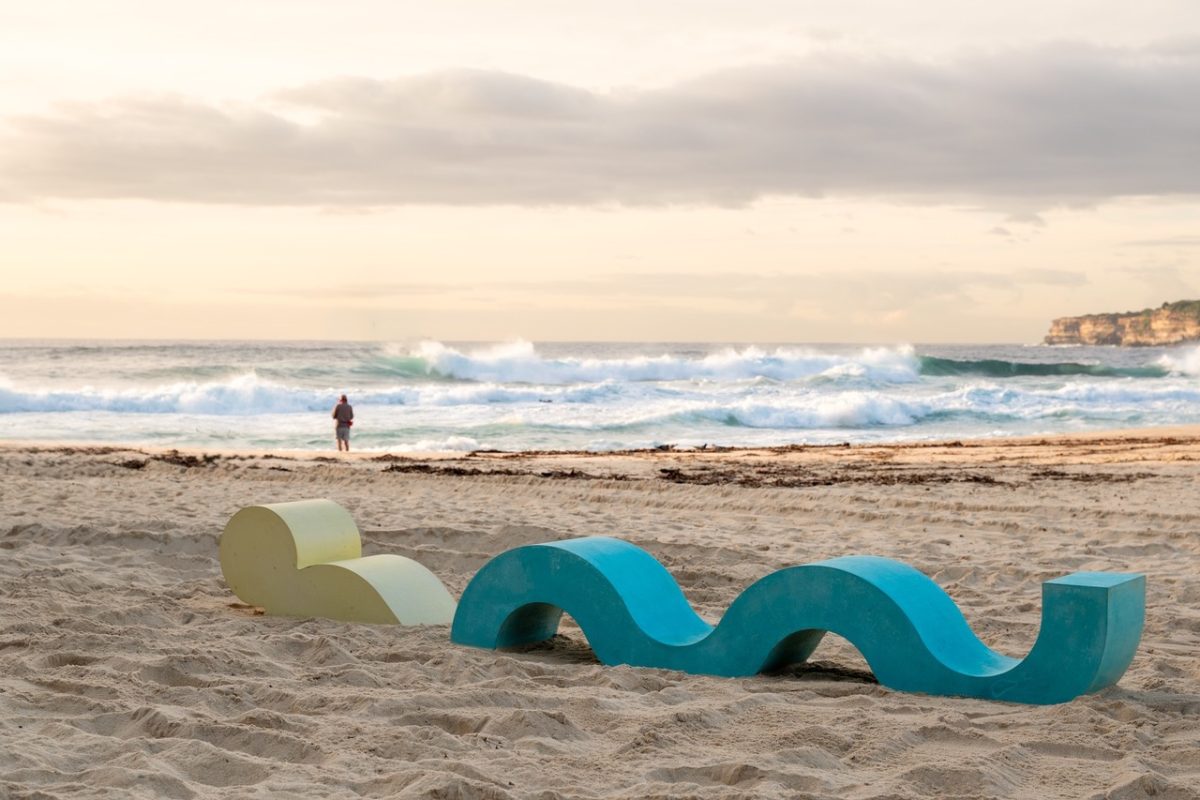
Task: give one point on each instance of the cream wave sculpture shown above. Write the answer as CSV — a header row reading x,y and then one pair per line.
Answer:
x,y
304,559
633,612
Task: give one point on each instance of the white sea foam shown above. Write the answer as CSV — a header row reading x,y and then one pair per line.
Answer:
x,y
841,410
456,444
245,394
519,362
250,395
436,397
494,393
750,403
1185,361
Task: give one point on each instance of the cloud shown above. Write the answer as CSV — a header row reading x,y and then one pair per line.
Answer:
x,y
1027,128
1050,277
1163,283
1026,218
1168,241
874,291
357,291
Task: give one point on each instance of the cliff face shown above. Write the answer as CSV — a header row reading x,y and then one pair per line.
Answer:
x,y
1171,324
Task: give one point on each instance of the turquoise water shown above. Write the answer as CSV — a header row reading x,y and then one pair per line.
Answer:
x,y
517,395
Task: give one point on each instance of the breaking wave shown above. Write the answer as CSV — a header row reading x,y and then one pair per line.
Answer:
x,y
250,395
980,404
515,396
998,368
1182,362
519,362
244,394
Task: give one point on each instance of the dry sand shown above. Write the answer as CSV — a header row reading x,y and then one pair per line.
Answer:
x,y
128,670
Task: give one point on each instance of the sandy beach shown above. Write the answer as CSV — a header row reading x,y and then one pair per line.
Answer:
x,y
127,668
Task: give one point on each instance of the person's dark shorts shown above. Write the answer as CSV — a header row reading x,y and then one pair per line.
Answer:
x,y
343,433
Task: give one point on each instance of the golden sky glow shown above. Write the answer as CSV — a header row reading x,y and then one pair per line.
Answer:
x,y
685,172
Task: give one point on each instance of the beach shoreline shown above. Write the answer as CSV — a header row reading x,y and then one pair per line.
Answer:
x,y
517,395
1164,432
128,668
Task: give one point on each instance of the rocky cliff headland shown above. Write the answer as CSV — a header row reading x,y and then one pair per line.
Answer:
x,y
1171,323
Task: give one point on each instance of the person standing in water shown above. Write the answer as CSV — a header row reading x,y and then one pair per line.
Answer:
x,y
343,413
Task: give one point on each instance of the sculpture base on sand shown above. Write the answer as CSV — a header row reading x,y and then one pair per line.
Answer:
x,y
304,559
911,633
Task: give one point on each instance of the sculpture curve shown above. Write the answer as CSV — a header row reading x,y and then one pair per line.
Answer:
x,y
304,559
908,629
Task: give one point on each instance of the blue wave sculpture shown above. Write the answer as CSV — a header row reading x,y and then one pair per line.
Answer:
x,y
911,633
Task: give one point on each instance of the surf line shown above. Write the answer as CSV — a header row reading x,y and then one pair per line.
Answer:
x,y
304,559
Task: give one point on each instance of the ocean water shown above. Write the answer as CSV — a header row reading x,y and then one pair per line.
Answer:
x,y
520,396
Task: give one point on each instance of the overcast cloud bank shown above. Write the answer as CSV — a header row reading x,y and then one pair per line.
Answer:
x,y
1055,124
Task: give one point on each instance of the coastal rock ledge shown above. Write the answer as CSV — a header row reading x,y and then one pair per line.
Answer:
x,y
1171,323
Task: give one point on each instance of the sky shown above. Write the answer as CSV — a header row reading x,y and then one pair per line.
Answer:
x,y
864,171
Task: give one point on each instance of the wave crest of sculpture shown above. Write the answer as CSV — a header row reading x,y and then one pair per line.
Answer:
x,y
908,629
